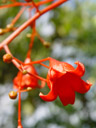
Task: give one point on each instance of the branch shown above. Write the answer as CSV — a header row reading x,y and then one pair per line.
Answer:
x,y
15,4
27,23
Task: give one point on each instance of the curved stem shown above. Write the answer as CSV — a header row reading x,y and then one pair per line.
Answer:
x,y
7,50
15,4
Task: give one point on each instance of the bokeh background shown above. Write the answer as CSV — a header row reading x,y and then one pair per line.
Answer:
x,y
71,30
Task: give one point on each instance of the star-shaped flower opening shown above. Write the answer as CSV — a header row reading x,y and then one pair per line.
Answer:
x,y
64,80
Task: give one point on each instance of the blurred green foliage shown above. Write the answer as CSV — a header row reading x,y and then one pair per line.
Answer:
x,y
74,27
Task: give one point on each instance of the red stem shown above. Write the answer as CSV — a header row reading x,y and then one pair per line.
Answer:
x,y
38,62
19,61
18,65
19,111
44,65
34,4
38,77
40,38
32,39
24,4
13,60
18,15
19,104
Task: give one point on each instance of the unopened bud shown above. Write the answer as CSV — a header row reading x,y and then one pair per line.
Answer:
x,y
7,58
46,44
29,89
28,35
24,72
1,31
9,26
13,95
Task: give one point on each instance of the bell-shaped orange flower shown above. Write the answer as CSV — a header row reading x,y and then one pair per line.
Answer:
x,y
64,80
24,81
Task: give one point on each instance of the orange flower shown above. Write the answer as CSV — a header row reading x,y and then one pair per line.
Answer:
x,y
64,80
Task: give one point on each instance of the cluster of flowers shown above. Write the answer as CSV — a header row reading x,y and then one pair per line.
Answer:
x,y
62,79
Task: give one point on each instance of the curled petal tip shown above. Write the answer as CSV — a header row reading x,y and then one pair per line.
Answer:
x,y
76,62
49,97
89,83
40,94
80,70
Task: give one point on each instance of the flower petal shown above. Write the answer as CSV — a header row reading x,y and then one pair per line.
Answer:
x,y
80,70
54,74
27,60
60,66
52,95
67,96
78,84
84,87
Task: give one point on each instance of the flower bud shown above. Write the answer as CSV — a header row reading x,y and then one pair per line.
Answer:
x,y
28,35
7,58
46,44
13,95
24,72
29,89
9,26
1,31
